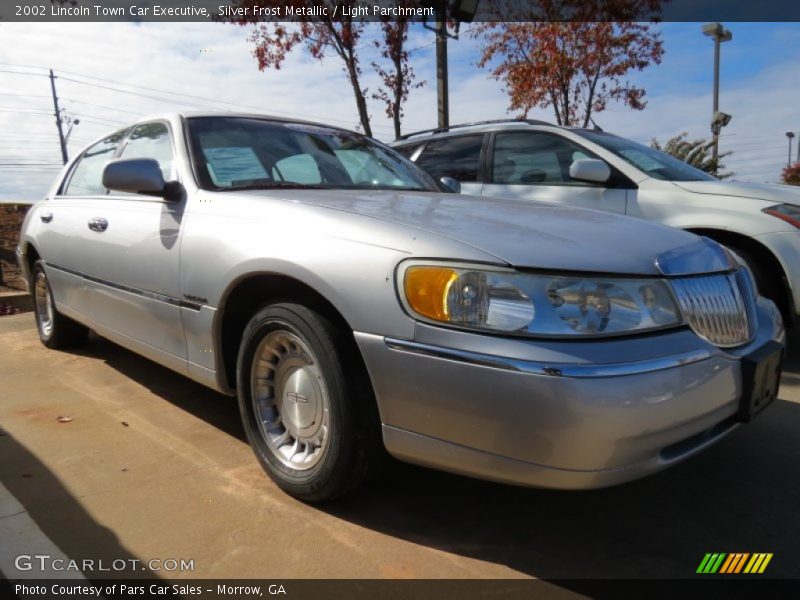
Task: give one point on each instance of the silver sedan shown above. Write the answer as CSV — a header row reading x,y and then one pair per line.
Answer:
x,y
356,306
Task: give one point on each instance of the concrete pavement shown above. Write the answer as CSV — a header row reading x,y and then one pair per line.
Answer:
x,y
154,466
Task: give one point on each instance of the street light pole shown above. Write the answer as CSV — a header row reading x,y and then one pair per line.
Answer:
x,y
719,34
790,135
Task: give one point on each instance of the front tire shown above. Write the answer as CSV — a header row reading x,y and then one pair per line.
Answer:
x,y
301,405
55,330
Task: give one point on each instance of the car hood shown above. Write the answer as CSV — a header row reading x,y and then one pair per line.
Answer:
x,y
786,194
519,233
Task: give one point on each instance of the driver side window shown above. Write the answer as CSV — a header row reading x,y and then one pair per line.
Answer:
x,y
526,158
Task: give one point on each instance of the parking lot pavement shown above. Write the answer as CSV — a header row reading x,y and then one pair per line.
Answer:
x,y
154,466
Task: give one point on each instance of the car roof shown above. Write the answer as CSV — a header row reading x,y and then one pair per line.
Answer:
x,y
418,137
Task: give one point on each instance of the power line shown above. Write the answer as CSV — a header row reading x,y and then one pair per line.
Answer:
x,y
162,91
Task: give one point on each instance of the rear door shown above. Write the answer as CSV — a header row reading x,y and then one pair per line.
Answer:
x,y
64,239
458,157
534,165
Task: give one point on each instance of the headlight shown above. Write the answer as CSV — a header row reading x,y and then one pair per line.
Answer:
x,y
548,305
786,212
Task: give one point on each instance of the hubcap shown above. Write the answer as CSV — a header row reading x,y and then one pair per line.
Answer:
x,y
290,400
44,305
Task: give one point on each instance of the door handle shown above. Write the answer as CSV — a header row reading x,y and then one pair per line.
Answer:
x,y
98,224
46,217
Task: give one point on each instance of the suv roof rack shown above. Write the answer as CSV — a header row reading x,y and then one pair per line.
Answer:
x,y
474,124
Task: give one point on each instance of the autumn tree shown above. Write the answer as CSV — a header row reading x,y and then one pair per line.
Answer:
x,y
321,37
397,77
577,67
791,174
696,153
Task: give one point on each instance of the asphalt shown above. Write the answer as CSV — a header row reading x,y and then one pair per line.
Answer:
x,y
149,465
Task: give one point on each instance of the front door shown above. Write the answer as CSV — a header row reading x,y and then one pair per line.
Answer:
x,y
534,165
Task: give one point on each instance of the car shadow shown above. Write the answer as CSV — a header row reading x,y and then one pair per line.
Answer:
x,y
738,496
62,519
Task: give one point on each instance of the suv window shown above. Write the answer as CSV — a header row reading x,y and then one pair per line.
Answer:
x,y
534,158
406,151
87,176
456,157
151,140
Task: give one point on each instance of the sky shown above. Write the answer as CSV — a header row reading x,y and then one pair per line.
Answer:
x,y
173,66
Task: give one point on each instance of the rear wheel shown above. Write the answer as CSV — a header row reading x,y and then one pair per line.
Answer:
x,y
55,330
302,408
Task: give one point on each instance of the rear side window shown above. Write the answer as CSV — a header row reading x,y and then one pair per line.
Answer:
x,y
87,176
406,151
457,157
531,158
151,140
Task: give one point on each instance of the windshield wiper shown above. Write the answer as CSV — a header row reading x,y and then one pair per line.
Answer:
x,y
274,185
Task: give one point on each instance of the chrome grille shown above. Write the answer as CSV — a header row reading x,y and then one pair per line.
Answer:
x,y
719,308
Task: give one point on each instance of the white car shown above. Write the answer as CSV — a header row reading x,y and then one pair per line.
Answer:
x,y
588,168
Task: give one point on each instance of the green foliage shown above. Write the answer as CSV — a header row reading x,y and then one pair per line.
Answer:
x,y
695,152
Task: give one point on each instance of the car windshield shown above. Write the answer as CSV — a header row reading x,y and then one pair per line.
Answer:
x,y
654,163
234,153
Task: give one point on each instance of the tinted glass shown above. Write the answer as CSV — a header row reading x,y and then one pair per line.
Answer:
x,y
654,163
151,140
237,152
534,158
407,151
457,157
87,177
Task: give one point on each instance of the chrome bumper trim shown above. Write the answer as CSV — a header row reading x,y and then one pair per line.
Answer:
x,y
550,369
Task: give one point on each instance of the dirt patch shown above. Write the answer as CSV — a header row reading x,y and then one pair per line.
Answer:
x,y
11,216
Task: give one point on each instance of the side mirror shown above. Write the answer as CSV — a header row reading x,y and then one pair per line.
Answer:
x,y
140,176
451,184
590,169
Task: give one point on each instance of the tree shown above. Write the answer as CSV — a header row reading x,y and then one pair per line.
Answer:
x,y
321,37
791,174
398,77
576,67
695,152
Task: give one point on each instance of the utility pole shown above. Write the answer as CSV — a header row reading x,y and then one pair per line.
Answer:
x,y
442,86
61,139
719,35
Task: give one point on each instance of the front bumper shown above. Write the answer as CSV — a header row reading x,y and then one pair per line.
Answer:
x,y
558,414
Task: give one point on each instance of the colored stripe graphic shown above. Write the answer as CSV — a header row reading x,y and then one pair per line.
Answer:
x,y
724,563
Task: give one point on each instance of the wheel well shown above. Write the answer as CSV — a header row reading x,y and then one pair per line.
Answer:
x,y
778,291
31,255
256,291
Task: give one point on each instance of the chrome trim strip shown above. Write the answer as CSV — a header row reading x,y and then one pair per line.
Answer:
x,y
132,290
577,371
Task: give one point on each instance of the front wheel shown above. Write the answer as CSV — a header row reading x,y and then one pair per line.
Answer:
x,y
300,403
55,330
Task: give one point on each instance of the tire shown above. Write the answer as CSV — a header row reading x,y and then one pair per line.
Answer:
x,y
767,286
55,330
309,414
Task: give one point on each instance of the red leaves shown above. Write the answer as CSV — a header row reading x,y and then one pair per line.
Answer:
x,y
576,67
398,77
791,174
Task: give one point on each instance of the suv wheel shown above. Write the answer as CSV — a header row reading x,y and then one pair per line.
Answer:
x,y
55,330
299,403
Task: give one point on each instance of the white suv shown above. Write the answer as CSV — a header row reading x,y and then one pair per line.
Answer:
x,y
534,160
